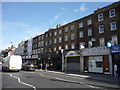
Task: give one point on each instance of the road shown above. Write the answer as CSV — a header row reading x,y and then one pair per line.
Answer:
x,y
34,80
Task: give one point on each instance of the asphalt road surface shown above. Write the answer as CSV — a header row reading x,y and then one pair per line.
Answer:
x,y
34,80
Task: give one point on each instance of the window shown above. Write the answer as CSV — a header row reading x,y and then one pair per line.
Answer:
x,y
89,32
81,34
42,43
113,26
72,27
114,40
66,38
50,43
102,41
46,43
60,47
39,44
42,50
66,29
55,33
112,13
66,46
101,29
50,34
100,17
46,35
42,37
39,38
60,39
80,24
55,41
60,31
89,22
72,46
55,49
72,37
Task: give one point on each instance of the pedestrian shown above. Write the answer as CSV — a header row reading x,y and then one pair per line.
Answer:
x,y
41,66
46,67
115,71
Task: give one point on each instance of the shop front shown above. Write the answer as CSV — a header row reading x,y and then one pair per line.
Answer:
x,y
97,60
72,61
115,50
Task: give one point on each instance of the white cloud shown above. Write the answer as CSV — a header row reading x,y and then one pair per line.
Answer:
x,y
82,8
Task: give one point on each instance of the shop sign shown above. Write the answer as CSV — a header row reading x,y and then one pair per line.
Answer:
x,y
72,54
34,56
96,51
115,49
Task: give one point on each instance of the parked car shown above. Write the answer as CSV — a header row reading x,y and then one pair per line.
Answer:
x,y
28,66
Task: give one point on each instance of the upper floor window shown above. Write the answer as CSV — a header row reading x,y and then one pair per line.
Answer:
x,y
39,44
46,43
50,42
46,35
50,34
72,46
102,41
60,47
113,26
55,41
80,24
72,36
81,34
55,33
42,37
60,39
66,29
100,17
66,38
42,43
101,29
66,46
114,39
72,27
42,50
55,49
89,32
112,13
60,31
39,38
89,22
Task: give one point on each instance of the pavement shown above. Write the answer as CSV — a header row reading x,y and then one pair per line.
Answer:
x,y
91,76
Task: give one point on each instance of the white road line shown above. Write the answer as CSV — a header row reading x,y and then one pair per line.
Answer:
x,y
76,82
70,80
69,76
23,82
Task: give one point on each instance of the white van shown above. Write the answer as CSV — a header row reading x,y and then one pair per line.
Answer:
x,y
13,62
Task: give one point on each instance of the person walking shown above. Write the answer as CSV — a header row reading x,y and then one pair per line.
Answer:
x,y
115,71
46,66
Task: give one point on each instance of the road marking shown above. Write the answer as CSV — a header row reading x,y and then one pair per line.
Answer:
x,y
68,76
22,82
76,82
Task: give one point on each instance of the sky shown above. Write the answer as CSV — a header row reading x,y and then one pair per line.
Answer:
x,y
24,20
